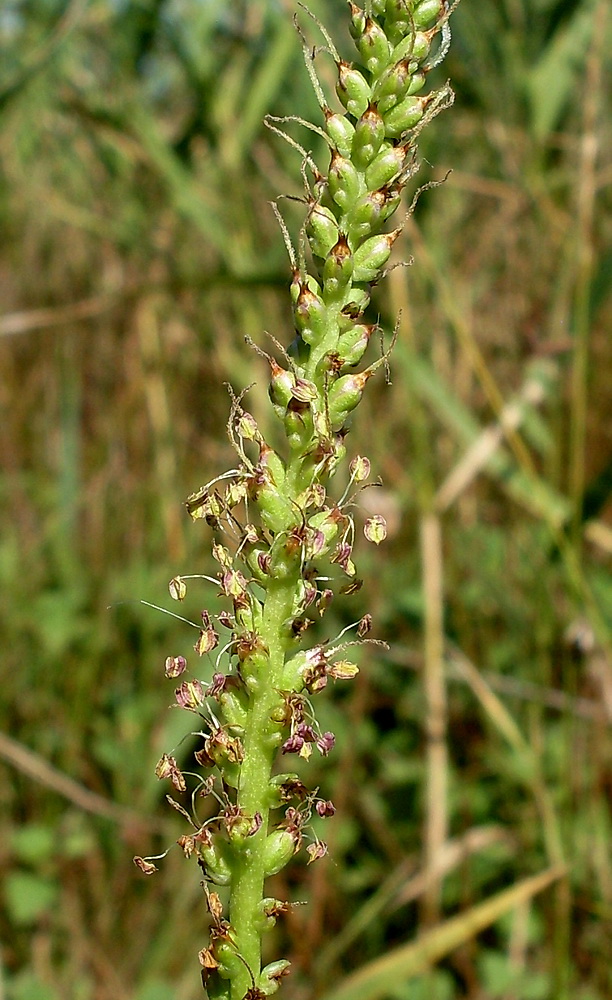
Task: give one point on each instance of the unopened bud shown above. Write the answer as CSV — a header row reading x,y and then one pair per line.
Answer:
x,y
340,131
344,396
427,13
369,134
344,181
281,384
310,314
373,255
374,47
404,116
385,167
353,89
322,230
358,20
413,47
337,270
353,344
366,215
392,86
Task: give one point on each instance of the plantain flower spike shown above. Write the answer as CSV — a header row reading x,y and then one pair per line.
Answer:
x,y
282,541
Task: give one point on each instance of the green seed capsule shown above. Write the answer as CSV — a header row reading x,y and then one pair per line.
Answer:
x,y
214,853
271,975
337,270
427,13
322,230
340,131
233,708
344,181
279,848
374,47
299,425
353,344
353,89
385,167
281,384
404,116
344,396
368,138
357,302
413,47
373,255
310,315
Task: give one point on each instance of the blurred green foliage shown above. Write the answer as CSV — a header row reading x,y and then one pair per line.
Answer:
x,y
139,249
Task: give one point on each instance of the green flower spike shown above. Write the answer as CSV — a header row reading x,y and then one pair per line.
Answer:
x,y
276,528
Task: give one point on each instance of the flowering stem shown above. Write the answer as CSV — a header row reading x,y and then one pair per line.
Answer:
x,y
274,521
260,749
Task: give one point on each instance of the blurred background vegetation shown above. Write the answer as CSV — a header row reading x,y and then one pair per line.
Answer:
x,y
138,250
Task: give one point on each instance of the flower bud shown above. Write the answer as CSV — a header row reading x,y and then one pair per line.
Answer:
x,y
392,86
413,47
385,167
358,20
427,13
321,230
373,255
337,270
353,89
344,181
353,345
397,23
374,47
366,215
404,116
232,707
340,130
369,134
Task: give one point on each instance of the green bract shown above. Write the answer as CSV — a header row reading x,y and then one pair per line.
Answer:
x,y
283,544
